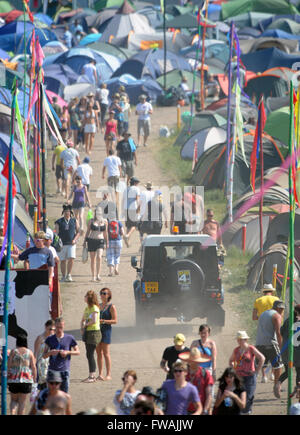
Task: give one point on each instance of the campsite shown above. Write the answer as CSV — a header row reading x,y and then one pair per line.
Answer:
x,y
233,129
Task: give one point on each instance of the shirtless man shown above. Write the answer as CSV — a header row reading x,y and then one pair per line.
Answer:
x,y
212,227
52,399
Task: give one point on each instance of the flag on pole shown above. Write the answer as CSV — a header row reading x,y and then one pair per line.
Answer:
x,y
25,2
5,173
258,137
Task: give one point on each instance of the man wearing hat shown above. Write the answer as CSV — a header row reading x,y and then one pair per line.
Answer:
x,y
148,394
131,207
171,354
269,341
264,302
200,377
126,151
143,110
85,171
52,398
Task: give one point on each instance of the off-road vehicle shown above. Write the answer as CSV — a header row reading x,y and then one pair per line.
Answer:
x,y
178,276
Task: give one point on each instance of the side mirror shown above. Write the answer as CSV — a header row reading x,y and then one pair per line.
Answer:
x,y
134,261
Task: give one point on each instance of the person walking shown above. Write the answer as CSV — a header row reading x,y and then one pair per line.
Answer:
x,y
180,394
91,126
143,111
269,341
102,95
207,347
21,374
131,207
85,171
96,237
75,123
90,329
115,231
231,395
125,397
81,110
39,347
80,197
243,361
211,227
108,317
59,172
68,230
90,71
110,135
113,165
126,151
152,220
264,302
65,127
200,378
70,160
60,347
171,354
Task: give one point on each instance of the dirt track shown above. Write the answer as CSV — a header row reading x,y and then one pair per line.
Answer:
x,y
131,349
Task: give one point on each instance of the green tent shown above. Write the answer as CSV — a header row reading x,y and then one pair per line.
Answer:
x,y
277,124
249,19
5,7
114,50
237,7
104,4
174,77
286,25
185,21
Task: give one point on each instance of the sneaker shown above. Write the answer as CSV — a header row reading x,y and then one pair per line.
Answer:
x,y
272,377
62,279
145,144
126,241
264,380
276,390
69,278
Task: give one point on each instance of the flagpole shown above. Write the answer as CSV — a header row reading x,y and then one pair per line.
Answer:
x,y
291,239
165,44
261,203
203,56
194,72
8,252
42,126
229,109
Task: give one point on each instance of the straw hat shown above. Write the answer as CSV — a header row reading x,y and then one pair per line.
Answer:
x,y
242,335
268,288
193,356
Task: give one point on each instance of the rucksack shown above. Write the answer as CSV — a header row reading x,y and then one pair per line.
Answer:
x,y
57,243
113,230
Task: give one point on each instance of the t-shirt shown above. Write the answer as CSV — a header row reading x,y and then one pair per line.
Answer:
x,y
130,198
145,197
88,315
229,406
171,355
202,379
85,171
57,362
264,303
125,407
66,230
112,164
57,151
143,109
179,400
124,150
54,253
68,39
37,257
89,70
244,361
103,96
69,157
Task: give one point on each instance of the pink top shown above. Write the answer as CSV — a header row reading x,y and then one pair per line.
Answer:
x,y
244,362
111,126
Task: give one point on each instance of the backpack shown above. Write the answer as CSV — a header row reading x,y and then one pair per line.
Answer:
x,y
113,230
57,243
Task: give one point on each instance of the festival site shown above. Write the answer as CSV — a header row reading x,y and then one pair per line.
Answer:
x,y
149,203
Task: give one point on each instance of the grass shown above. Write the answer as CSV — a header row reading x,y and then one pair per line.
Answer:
x,y
235,269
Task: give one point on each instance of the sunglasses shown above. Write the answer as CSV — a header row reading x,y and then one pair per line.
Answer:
x,y
178,370
51,329
104,293
53,383
39,240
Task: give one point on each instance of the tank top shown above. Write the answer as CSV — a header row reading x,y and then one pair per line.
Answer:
x,y
79,194
206,351
106,315
111,126
90,114
20,370
265,330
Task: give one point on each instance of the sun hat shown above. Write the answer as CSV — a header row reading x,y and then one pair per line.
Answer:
x,y
179,339
148,391
194,356
268,288
49,234
54,376
148,185
242,335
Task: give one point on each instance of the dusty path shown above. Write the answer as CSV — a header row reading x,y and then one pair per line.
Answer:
x,y
131,349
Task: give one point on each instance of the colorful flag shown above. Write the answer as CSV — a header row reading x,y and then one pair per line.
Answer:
x,y
239,121
5,173
25,2
261,121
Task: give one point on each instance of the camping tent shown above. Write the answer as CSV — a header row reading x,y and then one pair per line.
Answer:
x,y
57,76
236,7
78,90
278,230
287,25
249,19
251,45
266,85
151,63
121,25
174,78
277,124
263,24
269,58
206,138
210,171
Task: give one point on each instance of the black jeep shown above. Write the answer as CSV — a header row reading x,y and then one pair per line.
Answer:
x,y
178,277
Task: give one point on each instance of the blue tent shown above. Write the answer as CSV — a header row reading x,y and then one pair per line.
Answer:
x,y
57,76
15,42
151,63
214,12
264,24
262,60
89,39
16,27
3,54
6,99
135,88
44,18
277,33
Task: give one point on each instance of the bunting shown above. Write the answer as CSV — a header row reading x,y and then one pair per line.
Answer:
x,y
239,122
25,2
261,121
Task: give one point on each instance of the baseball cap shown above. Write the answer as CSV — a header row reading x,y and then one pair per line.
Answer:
x,y
86,160
49,234
179,339
278,304
134,180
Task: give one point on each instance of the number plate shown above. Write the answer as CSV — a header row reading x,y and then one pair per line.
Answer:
x,y
151,287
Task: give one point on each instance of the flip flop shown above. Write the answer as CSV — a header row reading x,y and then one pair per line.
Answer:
x,y
100,378
89,380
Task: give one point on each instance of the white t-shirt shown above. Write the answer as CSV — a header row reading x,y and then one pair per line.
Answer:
x,y
89,70
130,198
142,110
54,253
85,171
69,157
103,95
112,164
146,196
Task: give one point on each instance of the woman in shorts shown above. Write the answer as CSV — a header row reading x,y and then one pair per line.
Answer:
x,y
91,126
21,374
110,135
96,238
80,197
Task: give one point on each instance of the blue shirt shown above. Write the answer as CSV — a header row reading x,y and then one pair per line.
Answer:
x,y
68,39
37,257
57,362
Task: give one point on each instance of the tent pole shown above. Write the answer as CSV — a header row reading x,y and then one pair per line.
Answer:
x,y
202,96
229,108
165,45
261,203
42,119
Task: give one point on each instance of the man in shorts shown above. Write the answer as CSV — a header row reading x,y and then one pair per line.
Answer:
x,y
70,160
113,165
131,207
269,340
59,172
144,110
127,152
